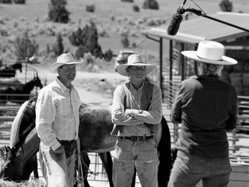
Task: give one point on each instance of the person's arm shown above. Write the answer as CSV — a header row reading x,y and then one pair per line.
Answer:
x,y
233,113
45,115
119,115
176,110
154,113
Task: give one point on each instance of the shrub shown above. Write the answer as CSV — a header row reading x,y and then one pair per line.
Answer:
x,y
19,1
6,1
226,6
108,55
129,1
87,41
125,41
90,8
136,8
80,51
151,4
79,37
58,47
25,47
58,12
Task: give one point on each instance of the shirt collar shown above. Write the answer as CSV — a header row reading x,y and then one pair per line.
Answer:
x,y
62,86
138,89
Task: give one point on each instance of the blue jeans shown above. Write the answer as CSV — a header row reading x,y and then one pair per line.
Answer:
x,y
141,155
188,170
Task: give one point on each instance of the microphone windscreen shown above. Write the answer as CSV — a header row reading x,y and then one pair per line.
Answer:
x,y
174,24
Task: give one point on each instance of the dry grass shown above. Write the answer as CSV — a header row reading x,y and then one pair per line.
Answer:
x,y
30,183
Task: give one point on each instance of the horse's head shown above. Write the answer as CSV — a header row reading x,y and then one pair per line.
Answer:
x,y
18,66
11,169
37,82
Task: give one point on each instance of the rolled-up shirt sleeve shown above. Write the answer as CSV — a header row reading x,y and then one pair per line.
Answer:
x,y
45,115
154,114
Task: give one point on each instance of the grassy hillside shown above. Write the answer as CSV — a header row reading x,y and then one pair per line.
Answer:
x,y
111,16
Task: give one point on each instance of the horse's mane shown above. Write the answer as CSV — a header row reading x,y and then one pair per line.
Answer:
x,y
26,126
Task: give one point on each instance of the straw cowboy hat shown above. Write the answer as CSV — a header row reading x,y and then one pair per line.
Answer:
x,y
64,59
134,60
210,52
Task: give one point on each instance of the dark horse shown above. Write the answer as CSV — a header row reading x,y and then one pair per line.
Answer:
x,y
24,142
20,93
10,71
94,135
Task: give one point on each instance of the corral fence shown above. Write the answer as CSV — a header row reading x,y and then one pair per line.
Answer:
x,y
238,139
20,78
237,144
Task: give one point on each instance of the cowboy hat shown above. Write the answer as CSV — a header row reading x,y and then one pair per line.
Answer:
x,y
135,60
64,59
210,52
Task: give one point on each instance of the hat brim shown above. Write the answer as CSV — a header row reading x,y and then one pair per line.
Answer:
x,y
121,69
54,66
224,60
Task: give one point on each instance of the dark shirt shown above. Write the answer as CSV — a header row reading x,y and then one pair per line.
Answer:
x,y
207,108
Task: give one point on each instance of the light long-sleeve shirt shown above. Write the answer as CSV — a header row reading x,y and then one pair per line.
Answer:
x,y
133,118
57,114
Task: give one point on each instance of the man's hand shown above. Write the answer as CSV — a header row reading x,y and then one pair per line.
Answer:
x,y
132,112
59,150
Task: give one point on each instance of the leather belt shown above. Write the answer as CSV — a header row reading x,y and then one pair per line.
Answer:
x,y
136,138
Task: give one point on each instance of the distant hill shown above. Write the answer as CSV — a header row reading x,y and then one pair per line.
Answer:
x,y
112,17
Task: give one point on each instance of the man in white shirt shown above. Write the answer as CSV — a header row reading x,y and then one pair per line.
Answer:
x,y
57,123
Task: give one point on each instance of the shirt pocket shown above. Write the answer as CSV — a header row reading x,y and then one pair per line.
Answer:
x,y
63,107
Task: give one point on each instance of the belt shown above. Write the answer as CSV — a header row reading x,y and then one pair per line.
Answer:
x,y
69,146
67,142
136,138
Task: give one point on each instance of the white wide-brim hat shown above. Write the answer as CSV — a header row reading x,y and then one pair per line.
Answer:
x,y
64,59
135,60
210,52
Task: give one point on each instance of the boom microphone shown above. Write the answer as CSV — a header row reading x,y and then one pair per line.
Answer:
x,y
175,22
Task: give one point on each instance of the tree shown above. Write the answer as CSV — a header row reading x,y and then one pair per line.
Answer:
x,y
58,47
151,4
226,6
58,12
25,47
87,41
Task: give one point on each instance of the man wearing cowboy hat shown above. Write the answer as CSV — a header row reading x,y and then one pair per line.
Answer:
x,y
57,123
136,112
206,107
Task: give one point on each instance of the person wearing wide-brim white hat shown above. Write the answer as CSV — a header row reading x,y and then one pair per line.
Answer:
x,y
135,60
206,107
64,59
136,114
57,123
210,52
